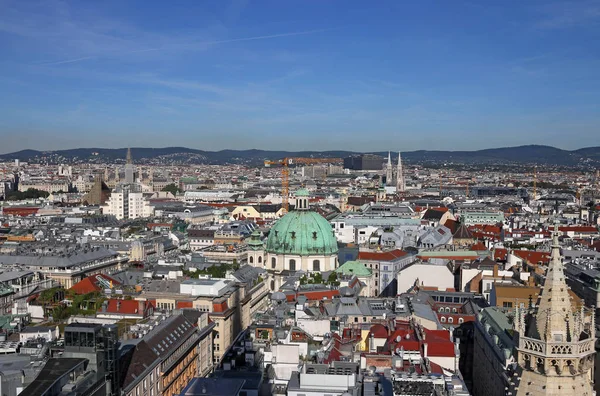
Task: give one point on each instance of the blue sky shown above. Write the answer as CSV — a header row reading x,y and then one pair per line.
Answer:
x,y
310,74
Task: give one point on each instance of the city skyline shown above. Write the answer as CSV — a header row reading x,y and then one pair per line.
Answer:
x,y
301,76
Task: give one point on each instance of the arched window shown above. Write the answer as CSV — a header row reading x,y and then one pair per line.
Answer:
x,y
259,259
443,319
273,262
251,259
441,310
461,320
448,309
316,265
450,320
454,310
292,265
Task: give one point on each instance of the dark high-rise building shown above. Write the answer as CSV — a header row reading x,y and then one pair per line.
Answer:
x,y
364,162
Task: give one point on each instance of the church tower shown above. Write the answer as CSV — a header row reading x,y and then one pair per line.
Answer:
x,y
129,171
556,343
389,171
400,185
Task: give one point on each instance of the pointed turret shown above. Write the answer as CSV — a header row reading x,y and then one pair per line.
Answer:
x,y
400,185
554,306
389,175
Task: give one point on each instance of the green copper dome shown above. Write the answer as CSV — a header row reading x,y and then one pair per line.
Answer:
x,y
303,233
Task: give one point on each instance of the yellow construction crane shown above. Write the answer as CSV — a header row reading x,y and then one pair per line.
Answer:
x,y
285,173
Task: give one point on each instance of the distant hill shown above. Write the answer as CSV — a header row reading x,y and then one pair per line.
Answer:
x,y
533,154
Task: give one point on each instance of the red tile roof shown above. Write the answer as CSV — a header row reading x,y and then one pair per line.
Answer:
x,y
220,307
319,295
378,331
452,225
578,229
533,257
382,256
500,254
478,247
126,307
92,284
185,304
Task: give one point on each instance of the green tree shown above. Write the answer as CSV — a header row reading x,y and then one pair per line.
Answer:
x,y
332,279
172,188
317,278
31,193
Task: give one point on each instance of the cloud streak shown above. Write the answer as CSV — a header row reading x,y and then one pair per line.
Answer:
x,y
66,61
563,15
203,44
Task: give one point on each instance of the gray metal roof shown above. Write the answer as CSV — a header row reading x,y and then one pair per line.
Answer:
x,y
73,259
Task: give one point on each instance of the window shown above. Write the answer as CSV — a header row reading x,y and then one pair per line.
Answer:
x,y
273,262
461,320
507,304
316,265
292,265
259,259
251,260
450,320
443,319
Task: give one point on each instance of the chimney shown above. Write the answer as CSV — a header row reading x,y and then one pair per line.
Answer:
x,y
425,350
495,270
531,280
141,306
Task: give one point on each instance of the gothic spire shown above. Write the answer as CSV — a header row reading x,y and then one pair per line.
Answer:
x,y
389,171
400,185
554,309
129,159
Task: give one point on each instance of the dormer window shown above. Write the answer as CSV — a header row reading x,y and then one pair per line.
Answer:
x,y
314,234
293,234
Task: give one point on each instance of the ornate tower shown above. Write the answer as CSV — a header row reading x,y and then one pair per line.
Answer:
x,y
400,185
556,343
389,171
129,171
256,250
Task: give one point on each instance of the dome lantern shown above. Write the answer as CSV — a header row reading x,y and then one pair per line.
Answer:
x,y
302,199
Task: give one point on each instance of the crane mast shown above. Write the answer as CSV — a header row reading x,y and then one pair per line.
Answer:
x,y
285,173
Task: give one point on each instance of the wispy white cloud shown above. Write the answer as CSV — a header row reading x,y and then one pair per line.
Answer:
x,y
569,14
54,29
236,40
66,61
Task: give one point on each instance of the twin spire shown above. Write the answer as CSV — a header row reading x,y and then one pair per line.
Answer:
x,y
400,184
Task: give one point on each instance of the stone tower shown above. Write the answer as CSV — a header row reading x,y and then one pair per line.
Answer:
x,y
556,343
129,171
389,171
400,185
